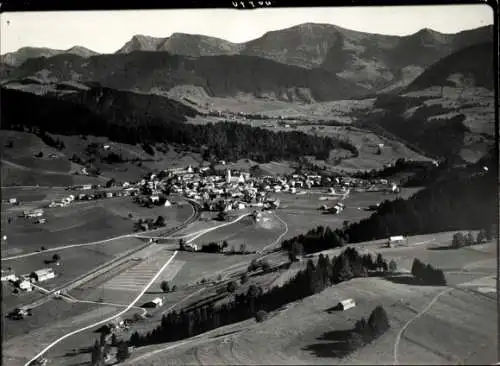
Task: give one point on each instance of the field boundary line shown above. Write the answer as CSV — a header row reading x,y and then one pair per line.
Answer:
x,y
107,319
422,312
279,237
206,231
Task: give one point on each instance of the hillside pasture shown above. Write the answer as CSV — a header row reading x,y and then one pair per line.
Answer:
x,y
174,215
205,265
71,225
309,332
85,221
291,335
225,233
16,176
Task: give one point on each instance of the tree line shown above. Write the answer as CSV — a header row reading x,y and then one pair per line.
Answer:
x,y
225,140
314,279
315,240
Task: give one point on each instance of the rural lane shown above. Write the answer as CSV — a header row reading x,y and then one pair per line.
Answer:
x,y
422,312
130,306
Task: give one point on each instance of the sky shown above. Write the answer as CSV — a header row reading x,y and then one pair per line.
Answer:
x,y
107,31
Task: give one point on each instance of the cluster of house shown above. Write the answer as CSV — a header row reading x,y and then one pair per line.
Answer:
x,y
240,190
63,202
367,185
335,209
25,282
94,195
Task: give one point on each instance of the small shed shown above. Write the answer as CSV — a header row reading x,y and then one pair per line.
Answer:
x,y
346,304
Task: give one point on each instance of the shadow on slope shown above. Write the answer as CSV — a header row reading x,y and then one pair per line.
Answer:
x,y
337,344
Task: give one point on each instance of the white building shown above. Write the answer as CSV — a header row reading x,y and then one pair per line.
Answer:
x,y
86,187
346,304
157,302
396,240
12,201
42,275
25,285
167,203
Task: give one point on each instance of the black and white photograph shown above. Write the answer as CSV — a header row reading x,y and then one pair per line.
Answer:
x,y
250,185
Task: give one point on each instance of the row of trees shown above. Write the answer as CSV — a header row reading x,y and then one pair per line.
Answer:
x,y
418,168
149,224
315,240
50,141
461,240
426,274
315,278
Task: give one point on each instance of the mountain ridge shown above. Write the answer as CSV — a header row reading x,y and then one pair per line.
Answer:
x,y
23,54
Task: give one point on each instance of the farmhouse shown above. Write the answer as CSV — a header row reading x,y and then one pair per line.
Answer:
x,y
42,274
24,285
396,240
157,302
346,304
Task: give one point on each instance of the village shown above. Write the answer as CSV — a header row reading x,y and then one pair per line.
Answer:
x,y
221,193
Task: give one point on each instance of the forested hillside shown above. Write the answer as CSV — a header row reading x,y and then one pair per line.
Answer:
x,y
117,117
459,199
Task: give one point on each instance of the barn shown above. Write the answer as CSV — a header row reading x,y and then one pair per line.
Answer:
x,y
346,304
42,274
395,241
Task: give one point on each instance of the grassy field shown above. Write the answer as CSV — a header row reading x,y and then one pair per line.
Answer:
x,y
254,235
174,215
74,261
302,212
203,265
80,222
